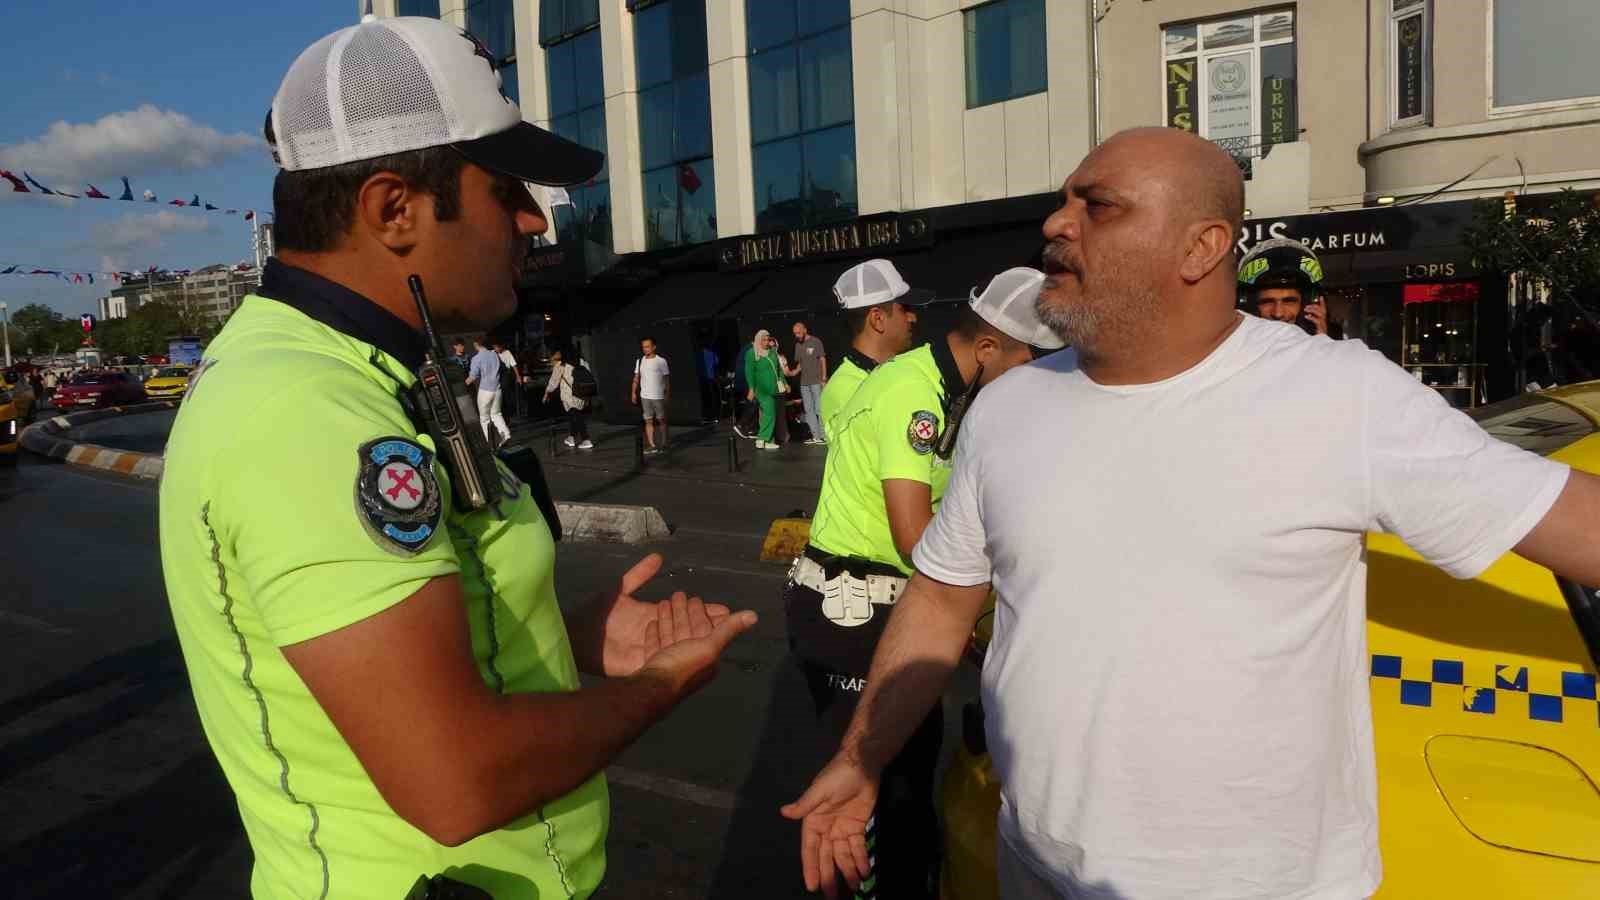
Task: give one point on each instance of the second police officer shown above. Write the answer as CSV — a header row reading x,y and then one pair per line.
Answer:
x,y
888,463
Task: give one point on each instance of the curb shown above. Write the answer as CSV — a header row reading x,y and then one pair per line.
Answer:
x,y
50,438
611,524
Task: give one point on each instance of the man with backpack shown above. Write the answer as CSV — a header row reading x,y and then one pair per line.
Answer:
x,y
577,387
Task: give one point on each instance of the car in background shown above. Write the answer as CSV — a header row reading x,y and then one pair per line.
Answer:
x,y
17,405
168,382
1485,715
98,389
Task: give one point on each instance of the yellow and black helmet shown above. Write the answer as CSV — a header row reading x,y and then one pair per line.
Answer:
x,y
1280,262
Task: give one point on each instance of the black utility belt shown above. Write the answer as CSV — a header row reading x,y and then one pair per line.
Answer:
x,y
852,565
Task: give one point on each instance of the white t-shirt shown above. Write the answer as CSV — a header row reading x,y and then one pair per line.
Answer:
x,y
509,361
652,372
1176,695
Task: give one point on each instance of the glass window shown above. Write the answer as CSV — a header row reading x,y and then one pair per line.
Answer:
x,y
830,173
802,110
675,123
777,184
769,23
1233,81
1005,52
561,19
576,81
1533,423
1544,52
494,23
824,65
1410,65
429,8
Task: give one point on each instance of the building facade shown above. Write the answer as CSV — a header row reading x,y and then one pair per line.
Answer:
x,y
211,294
756,147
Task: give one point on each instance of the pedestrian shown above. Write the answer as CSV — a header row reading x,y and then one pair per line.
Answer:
x,y
651,388
577,408
761,373
511,378
811,367
382,667
1281,279
880,312
484,373
709,401
458,355
886,470
749,414
1176,695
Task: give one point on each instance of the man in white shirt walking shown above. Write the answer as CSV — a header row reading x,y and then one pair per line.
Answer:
x,y
651,388
512,378
1177,689
484,371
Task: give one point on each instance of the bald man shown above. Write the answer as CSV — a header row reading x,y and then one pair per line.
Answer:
x,y
1176,693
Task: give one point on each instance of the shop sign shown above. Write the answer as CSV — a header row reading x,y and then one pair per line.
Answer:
x,y
1464,292
1180,93
1410,62
866,236
553,264
1421,242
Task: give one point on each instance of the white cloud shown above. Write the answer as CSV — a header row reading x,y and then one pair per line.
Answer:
x,y
142,141
120,239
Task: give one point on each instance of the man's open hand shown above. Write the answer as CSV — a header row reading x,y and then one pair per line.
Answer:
x,y
834,815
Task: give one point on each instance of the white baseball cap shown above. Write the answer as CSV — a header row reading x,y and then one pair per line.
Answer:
x,y
408,83
1008,304
873,282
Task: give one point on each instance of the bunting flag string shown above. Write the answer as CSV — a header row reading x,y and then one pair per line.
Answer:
x,y
86,276
21,185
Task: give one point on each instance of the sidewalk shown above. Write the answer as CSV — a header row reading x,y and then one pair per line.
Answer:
x,y
697,453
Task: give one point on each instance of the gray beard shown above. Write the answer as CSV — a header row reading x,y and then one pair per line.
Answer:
x,y
1089,328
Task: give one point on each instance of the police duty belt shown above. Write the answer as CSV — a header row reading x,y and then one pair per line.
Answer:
x,y
846,599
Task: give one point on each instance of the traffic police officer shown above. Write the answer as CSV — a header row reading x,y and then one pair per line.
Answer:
x,y
886,470
380,667
880,311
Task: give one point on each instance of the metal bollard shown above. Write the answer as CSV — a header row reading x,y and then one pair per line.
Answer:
x,y
638,448
733,454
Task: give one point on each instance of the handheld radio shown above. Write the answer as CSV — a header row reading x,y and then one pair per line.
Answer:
x,y
946,447
440,397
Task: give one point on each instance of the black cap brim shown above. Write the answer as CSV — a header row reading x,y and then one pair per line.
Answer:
x,y
917,297
530,153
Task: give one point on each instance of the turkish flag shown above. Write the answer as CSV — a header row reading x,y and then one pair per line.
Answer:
x,y
95,193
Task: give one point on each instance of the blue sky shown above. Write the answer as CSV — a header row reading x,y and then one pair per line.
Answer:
x,y
172,94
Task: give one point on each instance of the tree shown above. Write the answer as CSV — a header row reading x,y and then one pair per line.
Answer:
x,y
1549,247
35,327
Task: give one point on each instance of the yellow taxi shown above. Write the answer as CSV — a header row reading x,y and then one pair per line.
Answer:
x,y
16,411
1484,707
168,382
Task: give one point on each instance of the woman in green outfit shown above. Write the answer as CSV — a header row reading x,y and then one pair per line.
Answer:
x,y
761,373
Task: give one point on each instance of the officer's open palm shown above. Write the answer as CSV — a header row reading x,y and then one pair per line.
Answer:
x,y
834,814
621,632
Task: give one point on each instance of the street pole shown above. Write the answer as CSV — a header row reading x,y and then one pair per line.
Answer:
x,y
5,328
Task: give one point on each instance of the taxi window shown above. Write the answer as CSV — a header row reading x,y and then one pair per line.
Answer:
x,y
91,379
1534,423
173,373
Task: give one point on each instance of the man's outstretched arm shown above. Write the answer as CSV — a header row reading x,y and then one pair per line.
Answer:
x,y
920,648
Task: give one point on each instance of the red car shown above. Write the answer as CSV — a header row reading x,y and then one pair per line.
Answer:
x,y
97,389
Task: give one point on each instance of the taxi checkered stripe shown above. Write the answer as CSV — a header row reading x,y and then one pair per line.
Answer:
x,y
1544,695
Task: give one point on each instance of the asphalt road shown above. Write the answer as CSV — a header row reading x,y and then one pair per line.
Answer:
x,y
111,791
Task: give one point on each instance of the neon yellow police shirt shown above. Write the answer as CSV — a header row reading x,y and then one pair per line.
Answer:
x,y
842,384
274,530
887,430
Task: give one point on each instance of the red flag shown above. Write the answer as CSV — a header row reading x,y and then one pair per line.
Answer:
x,y
687,179
176,203
17,186
77,278
249,215
94,192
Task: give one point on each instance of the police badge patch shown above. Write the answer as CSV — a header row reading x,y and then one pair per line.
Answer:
x,y
397,494
923,431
